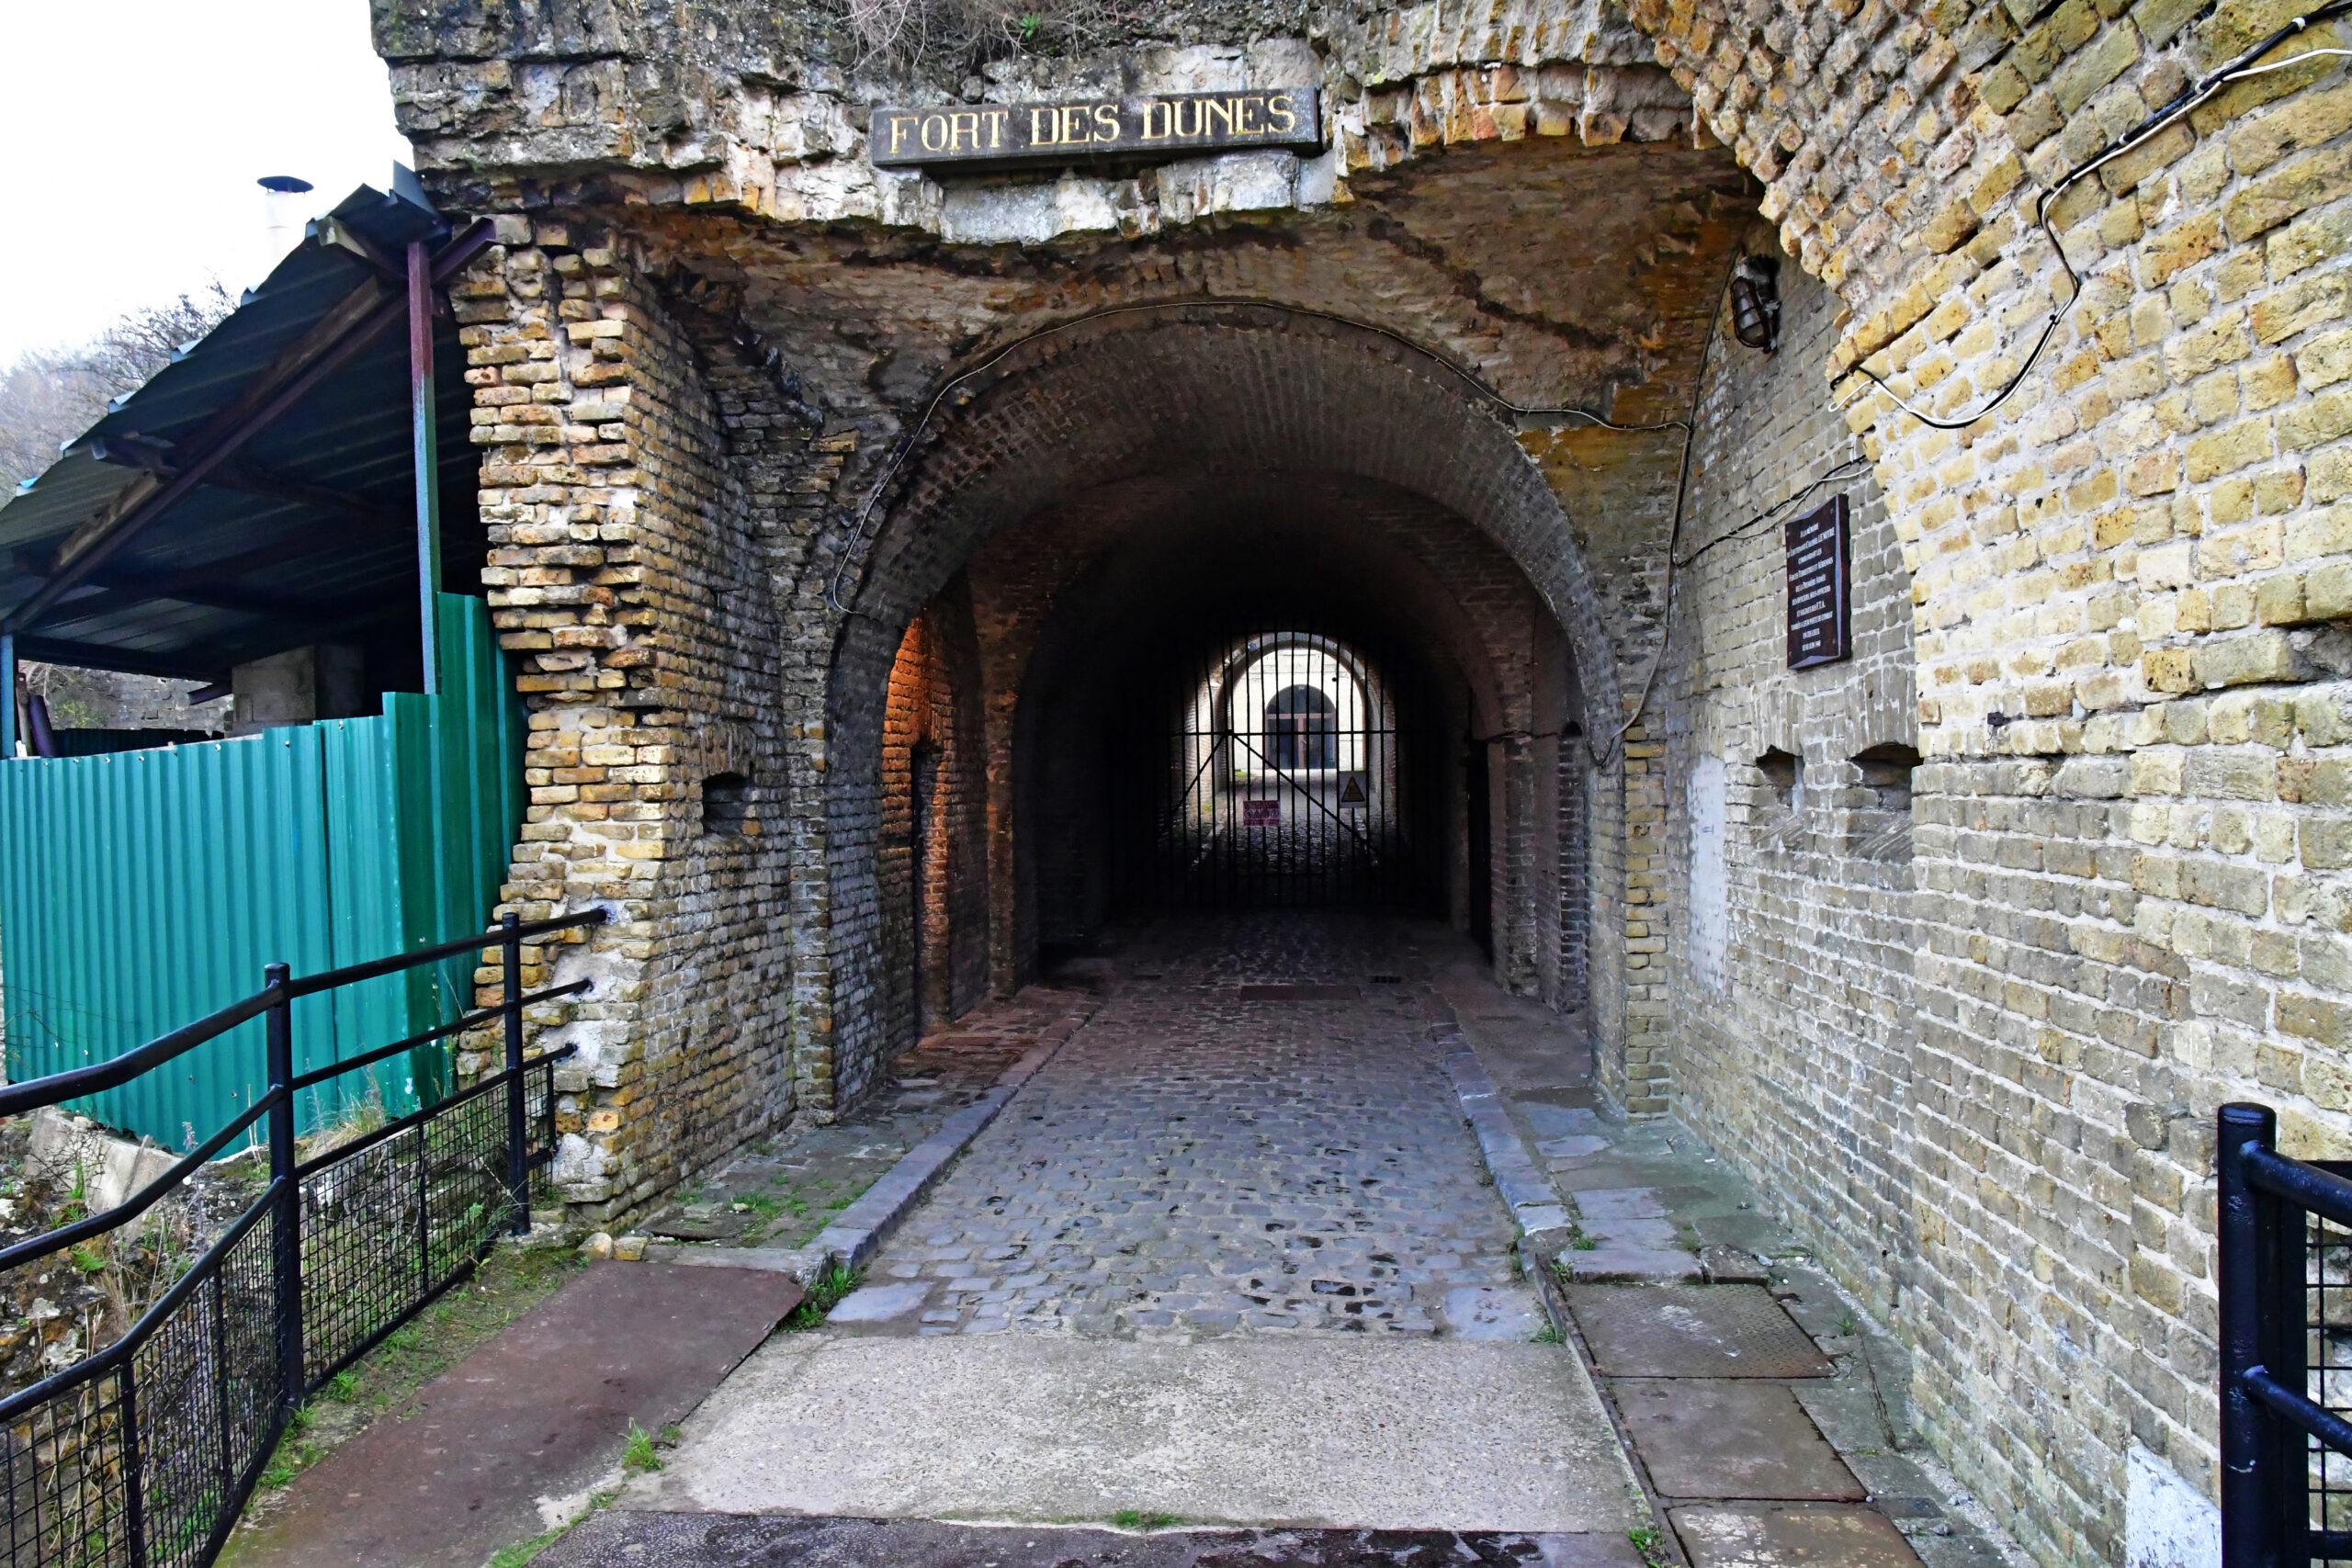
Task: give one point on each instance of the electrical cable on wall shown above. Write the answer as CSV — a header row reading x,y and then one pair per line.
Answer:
x,y
906,443
1846,470
2191,97
2196,94
1602,752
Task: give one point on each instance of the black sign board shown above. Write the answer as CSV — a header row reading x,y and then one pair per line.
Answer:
x,y
1164,125
1821,599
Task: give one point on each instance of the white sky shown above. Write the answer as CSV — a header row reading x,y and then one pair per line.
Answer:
x,y
131,133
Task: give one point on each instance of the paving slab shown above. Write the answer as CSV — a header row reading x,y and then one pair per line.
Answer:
x,y
539,1412
1712,1438
623,1538
1848,1413
1324,1430
878,1303
1692,1331
1794,1535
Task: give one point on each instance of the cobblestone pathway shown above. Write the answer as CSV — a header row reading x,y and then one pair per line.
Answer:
x,y
1209,1156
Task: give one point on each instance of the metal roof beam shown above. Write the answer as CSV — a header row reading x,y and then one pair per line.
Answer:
x,y
280,387
128,590
130,661
248,480
154,457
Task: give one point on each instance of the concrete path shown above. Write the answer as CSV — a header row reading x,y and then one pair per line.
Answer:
x,y
1327,1429
1230,1257
1764,1409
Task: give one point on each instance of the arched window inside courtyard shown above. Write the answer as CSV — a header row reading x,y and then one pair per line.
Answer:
x,y
1301,729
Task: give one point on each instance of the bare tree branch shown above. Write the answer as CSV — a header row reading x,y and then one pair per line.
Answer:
x,y
49,397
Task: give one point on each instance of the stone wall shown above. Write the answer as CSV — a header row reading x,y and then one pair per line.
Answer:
x,y
1794,1036
625,575
1983,1087
2124,582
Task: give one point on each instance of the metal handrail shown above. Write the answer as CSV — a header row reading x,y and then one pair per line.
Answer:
x,y
2266,1420
474,1019
354,1314
2305,1186
76,1083
393,1129
146,1198
351,973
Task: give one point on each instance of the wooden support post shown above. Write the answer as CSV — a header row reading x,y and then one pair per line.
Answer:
x,y
428,461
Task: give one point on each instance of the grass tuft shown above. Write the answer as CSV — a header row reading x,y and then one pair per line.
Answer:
x,y
640,1457
1137,1519
824,1294
522,1551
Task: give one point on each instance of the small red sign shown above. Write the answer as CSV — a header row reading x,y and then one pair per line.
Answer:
x,y
1261,813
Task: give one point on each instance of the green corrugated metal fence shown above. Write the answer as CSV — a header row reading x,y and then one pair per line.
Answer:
x,y
142,889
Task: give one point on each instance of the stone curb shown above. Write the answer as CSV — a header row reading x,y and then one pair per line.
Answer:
x,y
1543,1218
1534,1203
859,1231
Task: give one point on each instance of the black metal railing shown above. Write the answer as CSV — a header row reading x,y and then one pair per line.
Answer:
x,y
2285,1276
143,1454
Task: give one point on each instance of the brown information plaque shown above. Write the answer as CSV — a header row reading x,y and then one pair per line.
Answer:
x,y
1821,607
1167,124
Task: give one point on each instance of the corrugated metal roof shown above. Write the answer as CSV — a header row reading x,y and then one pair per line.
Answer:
x,y
230,575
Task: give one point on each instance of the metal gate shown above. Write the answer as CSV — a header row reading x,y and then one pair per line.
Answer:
x,y
1280,765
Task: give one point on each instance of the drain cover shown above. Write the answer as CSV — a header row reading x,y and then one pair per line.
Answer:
x,y
1692,1331
1298,993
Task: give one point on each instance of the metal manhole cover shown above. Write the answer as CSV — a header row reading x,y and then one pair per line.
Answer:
x,y
1693,1331
1298,993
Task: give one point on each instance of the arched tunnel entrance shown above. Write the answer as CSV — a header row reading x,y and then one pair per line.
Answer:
x,y
1218,647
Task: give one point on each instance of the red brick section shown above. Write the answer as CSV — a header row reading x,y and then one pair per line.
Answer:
x,y
934,865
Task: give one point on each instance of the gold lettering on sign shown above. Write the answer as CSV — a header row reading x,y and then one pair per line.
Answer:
x,y
989,134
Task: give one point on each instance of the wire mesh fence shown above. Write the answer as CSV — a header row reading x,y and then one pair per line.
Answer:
x,y
391,1221
2327,1371
143,1454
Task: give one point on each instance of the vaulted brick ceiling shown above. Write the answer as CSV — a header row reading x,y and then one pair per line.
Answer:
x,y
1563,274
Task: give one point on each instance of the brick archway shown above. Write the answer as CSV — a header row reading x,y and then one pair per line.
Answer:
x,y
1242,391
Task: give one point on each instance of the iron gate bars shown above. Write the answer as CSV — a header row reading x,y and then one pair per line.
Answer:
x,y
142,1455
2285,1273
1275,766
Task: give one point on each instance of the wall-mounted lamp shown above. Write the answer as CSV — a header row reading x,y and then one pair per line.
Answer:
x,y
1756,302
